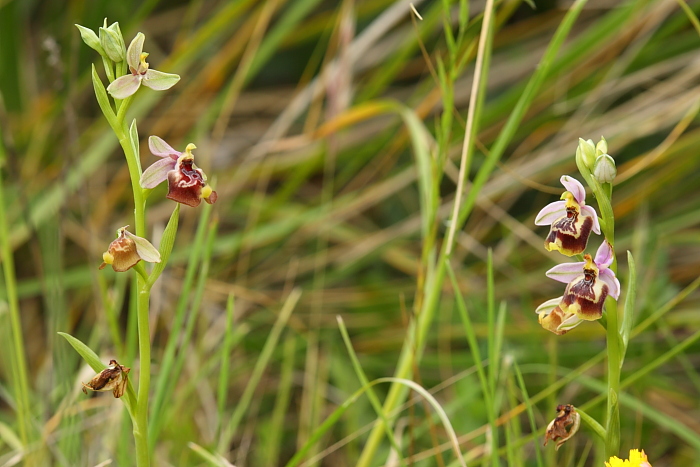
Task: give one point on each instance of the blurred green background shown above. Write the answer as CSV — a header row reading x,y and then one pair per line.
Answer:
x,y
291,104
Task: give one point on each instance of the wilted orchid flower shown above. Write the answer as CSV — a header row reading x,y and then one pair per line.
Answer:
x,y
127,250
552,318
127,85
557,431
588,284
571,220
187,184
113,379
637,459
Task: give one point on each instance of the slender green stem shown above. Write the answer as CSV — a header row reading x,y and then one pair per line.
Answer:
x,y
603,194
612,444
143,288
141,425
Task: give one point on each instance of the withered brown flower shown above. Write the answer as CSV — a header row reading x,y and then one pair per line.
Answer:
x,y
113,378
557,428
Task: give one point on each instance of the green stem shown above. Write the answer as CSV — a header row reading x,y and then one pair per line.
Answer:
x,y
612,442
144,291
141,419
603,194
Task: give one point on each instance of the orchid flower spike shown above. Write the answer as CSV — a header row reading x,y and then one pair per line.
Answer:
x,y
571,220
127,85
187,184
127,250
588,285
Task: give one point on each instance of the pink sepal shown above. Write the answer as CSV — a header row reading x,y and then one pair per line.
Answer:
x,y
157,173
566,272
124,86
575,188
550,213
160,148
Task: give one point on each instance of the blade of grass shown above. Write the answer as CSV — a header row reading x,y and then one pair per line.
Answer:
x,y
164,378
374,400
272,443
184,335
530,412
20,380
224,356
260,365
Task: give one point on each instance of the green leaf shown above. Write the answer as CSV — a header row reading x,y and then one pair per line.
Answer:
x,y
102,98
166,244
86,352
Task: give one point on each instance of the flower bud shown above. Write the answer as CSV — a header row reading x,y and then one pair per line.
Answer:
x,y
587,150
602,147
604,169
113,43
90,38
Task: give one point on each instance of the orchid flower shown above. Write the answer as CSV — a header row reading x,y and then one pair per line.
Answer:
x,y
588,285
127,250
571,219
552,318
127,85
187,184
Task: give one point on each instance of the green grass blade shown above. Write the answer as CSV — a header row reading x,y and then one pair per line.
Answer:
x,y
260,365
374,400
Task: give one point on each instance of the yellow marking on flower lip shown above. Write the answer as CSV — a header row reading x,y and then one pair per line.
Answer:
x,y
107,257
206,192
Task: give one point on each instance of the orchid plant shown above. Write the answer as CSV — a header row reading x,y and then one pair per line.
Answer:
x,y
126,71
592,288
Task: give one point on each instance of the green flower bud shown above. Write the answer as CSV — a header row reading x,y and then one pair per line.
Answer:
x,y
113,43
587,151
604,169
90,38
602,147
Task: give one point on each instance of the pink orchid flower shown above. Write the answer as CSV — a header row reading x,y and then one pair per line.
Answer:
x,y
187,184
127,85
588,284
571,220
